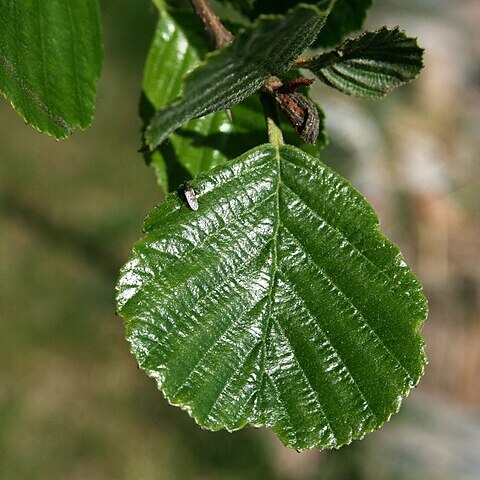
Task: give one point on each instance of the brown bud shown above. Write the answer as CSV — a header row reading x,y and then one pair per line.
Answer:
x,y
301,113
298,109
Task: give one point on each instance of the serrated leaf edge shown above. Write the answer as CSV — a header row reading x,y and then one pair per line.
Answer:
x,y
404,393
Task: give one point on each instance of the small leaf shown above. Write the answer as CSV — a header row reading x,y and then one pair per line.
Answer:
x,y
50,60
235,72
277,303
371,65
178,45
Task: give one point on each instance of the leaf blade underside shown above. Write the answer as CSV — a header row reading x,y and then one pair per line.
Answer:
x,y
278,303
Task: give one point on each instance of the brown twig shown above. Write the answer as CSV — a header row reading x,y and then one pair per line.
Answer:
x,y
212,24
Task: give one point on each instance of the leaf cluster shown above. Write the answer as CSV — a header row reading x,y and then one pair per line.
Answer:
x,y
263,291
271,45
277,302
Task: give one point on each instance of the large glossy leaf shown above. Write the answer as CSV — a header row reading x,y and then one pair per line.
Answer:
x,y
371,65
178,45
277,303
50,59
232,74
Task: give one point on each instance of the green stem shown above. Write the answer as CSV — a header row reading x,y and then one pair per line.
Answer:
x,y
272,121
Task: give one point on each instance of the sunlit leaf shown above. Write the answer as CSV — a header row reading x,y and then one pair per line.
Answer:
x,y
277,303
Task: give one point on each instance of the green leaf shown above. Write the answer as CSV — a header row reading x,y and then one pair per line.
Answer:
x,y
371,65
347,16
277,303
178,45
50,60
235,72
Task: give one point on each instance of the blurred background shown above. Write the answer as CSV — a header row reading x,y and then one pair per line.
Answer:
x,y
73,404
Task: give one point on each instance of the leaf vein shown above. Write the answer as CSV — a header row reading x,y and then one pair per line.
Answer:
x,y
339,233
217,341
350,301
307,380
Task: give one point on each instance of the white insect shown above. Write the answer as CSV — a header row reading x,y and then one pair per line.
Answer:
x,y
190,197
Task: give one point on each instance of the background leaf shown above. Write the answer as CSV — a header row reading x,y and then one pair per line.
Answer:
x,y
371,65
241,5
232,74
347,16
178,45
277,303
50,59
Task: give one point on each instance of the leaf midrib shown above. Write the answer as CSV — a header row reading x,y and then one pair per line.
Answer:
x,y
271,294
270,318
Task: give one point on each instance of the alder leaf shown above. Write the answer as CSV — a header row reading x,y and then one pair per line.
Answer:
x,y
50,60
277,303
178,45
370,65
230,75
